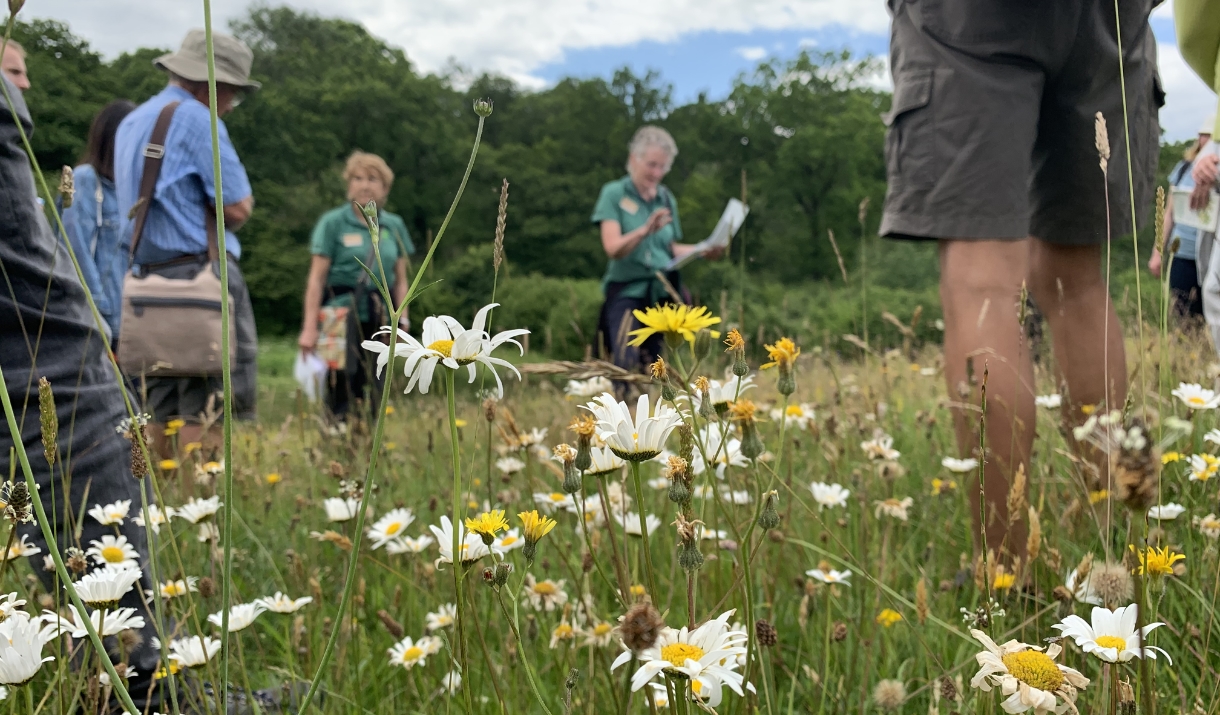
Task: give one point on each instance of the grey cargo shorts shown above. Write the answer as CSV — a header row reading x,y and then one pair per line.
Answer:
x,y
991,130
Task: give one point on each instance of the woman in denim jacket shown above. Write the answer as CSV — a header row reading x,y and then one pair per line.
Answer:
x,y
92,221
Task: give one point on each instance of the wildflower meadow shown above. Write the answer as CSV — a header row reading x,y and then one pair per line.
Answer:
x,y
774,526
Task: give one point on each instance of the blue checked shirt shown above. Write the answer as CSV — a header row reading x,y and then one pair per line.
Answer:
x,y
176,220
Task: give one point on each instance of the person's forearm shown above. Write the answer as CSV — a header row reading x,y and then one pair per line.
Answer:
x,y
399,292
683,249
313,303
628,241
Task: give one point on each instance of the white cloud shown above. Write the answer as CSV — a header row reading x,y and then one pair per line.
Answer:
x,y
1188,101
752,54
513,38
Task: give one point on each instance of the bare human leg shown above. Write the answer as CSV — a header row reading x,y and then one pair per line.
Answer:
x,y
980,288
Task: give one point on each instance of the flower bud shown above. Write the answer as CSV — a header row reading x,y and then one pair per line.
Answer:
x,y
769,518
571,478
706,409
530,550
584,453
703,344
489,576
751,443
679,493
482,107
786,384
690,557
503,570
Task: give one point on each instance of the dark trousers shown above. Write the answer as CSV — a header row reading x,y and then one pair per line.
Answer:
x,y
619,322
49,332
1184,284
357,382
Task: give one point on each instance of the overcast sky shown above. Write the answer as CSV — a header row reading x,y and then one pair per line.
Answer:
x,y
698,45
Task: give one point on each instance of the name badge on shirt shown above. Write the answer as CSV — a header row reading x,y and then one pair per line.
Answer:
x,y
628,205
353,240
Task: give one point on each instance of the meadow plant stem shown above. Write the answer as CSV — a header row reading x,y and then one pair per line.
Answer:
x,y
491,672
826,652
622,595
458,574
639,503
158,600
44,524
529,669
620,566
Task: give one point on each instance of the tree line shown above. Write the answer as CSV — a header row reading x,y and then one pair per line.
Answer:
x,y
806,133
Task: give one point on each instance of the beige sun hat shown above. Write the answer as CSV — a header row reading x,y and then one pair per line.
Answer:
x,y
1208,125
233,60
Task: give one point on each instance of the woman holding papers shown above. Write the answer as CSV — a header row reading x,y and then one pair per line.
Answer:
x,y
638,217
1185,278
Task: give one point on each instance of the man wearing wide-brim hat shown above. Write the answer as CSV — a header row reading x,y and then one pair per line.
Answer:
x,y
175,227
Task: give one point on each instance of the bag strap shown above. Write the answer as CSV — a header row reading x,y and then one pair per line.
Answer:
x,y
154,154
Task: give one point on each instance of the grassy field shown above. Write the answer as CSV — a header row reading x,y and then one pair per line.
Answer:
x,y
895,635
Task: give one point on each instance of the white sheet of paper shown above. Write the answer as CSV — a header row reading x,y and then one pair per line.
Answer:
x,y
734,216
1205,220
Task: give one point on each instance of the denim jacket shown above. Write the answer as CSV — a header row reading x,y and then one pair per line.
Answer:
x,y
92,223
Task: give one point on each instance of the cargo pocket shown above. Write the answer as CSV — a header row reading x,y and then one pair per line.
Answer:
x,y
910,142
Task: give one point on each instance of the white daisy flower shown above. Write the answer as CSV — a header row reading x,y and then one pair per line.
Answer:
x,y
180,587
960,466
22,547
408,545
703,491
197,510
1203,467
707,654
1213,436
592,387
446,342
630,522
738,497
105,622
194,651
722,392
113,551
658,483
1209,525
639,439
550,502
1166,512
21,643
508,541
604,461
207,531
829,495
600,635
471,544
509,465
338,510
1031,679
389,527
894,507
280,603
1112,636
1196,397
880,447
442,617
723,452
111,513
831,576
563,633
408,653
10,604
240,616
798,416
104,587
156,514
536,437
452,681
543,595
1050,402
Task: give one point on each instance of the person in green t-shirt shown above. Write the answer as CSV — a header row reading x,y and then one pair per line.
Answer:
x,y
638,217
341,242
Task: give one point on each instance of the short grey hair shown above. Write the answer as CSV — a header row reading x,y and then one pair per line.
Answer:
x,y
649,136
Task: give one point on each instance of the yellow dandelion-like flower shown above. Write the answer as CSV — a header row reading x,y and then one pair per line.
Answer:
x,y
942,486
1098,496
1003,581
1171,457
637,590
658,369
274,478
190,447
1157,562
734,341
460,423
888,617
175,425
583,425
702,384
743,410
671,320
167,464
535,525
783,353
389,409
488,524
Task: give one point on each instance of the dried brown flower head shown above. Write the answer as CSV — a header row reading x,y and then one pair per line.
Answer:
x,y
640,627
766,633
1112,583
889,694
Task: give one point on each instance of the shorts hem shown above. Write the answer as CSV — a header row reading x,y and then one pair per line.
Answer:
x,y
919,227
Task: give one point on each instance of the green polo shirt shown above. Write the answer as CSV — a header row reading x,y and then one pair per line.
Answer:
x,y
345,240
619,201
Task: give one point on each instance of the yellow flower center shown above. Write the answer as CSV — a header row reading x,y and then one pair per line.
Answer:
x,y
273,478
557,497
1196,400
393,528
1035,669
794,411
637,590
601,629
1111,642
444,347
563,630
174,589
412,654
508,540
679,653
545,588
113,555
